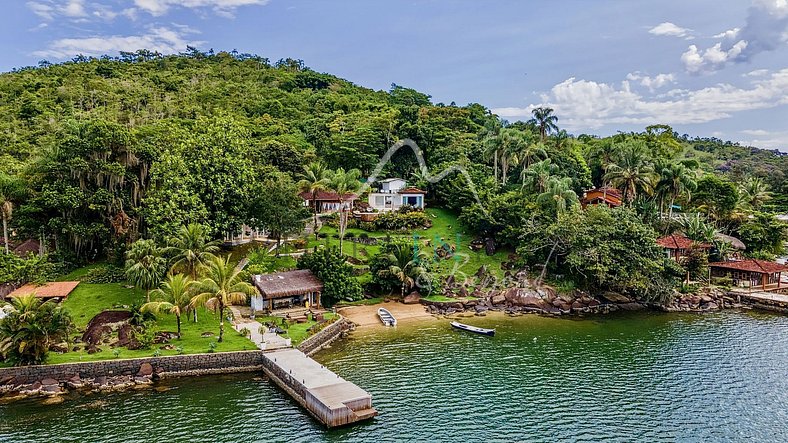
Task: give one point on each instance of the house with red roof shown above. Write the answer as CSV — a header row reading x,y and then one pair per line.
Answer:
x,y
752,273
602,196
327,201
677,246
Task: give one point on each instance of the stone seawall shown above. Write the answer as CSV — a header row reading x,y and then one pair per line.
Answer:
x,y
120,374
325,337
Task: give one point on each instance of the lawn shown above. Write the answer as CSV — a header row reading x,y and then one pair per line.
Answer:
x,y
87,300
445,229
297,332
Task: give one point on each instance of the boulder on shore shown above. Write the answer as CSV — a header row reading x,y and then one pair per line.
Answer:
x,y
412,298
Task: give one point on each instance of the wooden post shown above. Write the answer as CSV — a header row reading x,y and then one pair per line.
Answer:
x,y
763,281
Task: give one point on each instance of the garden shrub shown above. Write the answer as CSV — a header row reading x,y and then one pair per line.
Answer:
x,y
105,274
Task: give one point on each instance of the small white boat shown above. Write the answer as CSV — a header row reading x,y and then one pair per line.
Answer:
x,y
473,329
386,317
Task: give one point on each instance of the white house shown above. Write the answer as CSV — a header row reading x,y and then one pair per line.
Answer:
x,y
394,194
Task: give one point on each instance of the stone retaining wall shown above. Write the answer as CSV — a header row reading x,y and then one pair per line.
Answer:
x,y
325,337
178,365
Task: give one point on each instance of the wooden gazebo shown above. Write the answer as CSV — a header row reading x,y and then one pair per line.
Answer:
x,y
755,274
285,290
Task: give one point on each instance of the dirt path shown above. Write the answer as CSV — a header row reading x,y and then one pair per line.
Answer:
x,y
367,316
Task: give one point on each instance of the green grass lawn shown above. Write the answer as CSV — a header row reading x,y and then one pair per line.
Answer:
x,y
445,228
87,300
297,332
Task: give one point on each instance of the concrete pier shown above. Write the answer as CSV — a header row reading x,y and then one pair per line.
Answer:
x,y
327,396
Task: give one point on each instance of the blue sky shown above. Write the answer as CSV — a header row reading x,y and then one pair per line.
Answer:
x,y
709,68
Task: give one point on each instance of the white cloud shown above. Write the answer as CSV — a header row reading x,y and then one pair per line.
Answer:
x,y
670,29
756,132
766,139
584,104
74,8
712,58
756,73
652,83
222,7
160,39
730,33
765,29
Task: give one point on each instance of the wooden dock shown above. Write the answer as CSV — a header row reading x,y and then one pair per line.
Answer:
x,y
327,396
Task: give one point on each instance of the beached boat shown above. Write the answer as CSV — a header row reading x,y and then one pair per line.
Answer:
x,y
473,329
386,317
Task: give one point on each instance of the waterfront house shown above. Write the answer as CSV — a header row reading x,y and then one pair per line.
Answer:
x,y
286,290
394,194
327,201
48,291
753,273
677,246
602,196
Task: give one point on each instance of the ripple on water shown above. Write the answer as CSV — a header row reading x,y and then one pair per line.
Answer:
x,y
648,377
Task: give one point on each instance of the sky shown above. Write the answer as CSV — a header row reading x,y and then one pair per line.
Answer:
x,y
711,68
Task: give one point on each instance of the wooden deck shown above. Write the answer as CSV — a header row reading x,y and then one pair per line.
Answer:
x,y
327,396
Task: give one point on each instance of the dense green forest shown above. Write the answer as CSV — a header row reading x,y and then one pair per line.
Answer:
x,y
98,153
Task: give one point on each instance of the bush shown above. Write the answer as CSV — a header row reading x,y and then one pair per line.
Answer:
x,y
402,221
329,265
105,274
723,282
32,268
367,226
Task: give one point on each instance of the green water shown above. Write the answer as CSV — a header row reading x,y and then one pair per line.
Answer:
x,y
635,377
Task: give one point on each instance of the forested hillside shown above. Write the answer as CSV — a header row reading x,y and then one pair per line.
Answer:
x,y
98,153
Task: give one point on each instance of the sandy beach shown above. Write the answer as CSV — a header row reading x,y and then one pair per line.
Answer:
x,y
367,316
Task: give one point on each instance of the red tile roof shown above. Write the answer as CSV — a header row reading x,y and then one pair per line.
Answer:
x,y
675,241
752,265
326,196
411,190
59,289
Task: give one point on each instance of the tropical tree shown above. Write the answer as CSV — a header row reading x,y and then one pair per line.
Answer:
x,y
172,297
278,209
753,192
344,184
631,173
406,265
222,286
537,175
545,121
191,248
675,181
11,190
697,228
314,179
513,143
31,327
558,194
145,265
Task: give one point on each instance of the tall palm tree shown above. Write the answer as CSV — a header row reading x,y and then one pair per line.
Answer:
x,y
631,173
145,265
754,192
191,249
173,297
676,181
405,266
512,142
344,184
493,149
222,286
11,190
545,121
560,194
315,178
537,175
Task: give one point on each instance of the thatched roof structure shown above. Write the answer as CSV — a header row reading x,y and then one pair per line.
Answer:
x,y
735,242
285,284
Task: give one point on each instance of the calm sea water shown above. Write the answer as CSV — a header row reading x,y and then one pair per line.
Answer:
x,y
632,377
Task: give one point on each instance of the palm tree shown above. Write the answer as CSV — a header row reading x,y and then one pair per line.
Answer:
x,y
191,248
559,193
493,149
30,328
222,286
344,184
173,297
405,266
696,228
11,190
676,181
545,121
512,142
145,265
537,175
631,172
314,179
754,192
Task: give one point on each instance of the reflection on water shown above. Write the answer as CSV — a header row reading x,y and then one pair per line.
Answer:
x,y
648,377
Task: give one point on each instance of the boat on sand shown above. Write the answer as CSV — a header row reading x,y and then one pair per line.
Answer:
x,y
386,317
